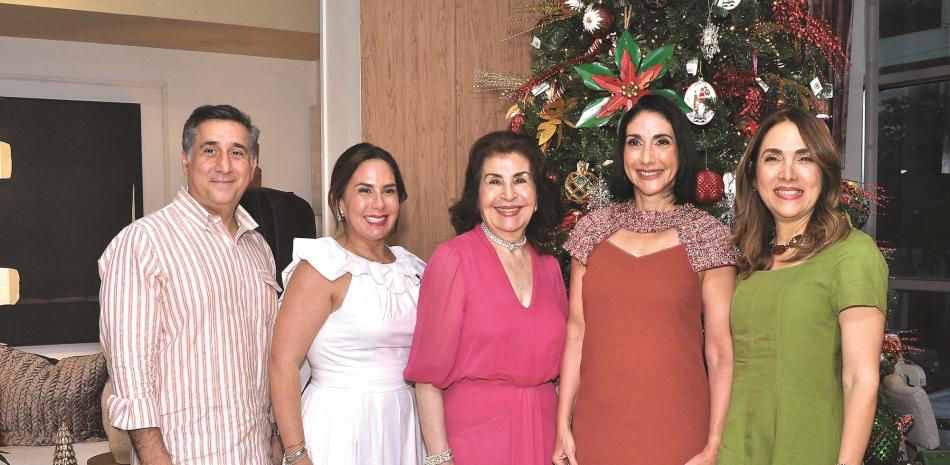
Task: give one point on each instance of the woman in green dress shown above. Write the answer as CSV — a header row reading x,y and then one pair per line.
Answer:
x,y
808,312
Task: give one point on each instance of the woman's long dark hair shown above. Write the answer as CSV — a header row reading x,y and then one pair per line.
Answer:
x,y
465,213
684,184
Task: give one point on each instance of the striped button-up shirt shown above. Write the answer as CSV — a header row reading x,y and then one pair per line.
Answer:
x,y
186,322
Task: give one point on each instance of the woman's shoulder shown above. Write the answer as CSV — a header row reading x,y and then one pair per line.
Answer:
x,y
701,220
324,254
593,228
408,259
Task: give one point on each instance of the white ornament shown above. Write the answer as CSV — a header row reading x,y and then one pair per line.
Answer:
x,y
692,66
729,180
816,87
696,96
727,4
592,19
536,42
576,5
710,42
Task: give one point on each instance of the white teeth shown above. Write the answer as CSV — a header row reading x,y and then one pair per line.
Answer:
x,y
375,220
791,192
650,173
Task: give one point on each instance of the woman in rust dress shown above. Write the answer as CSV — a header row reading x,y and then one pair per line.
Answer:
x,y
650,277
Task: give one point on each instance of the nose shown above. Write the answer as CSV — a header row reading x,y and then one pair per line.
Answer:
x,y
647,156
224,164
377,200
788,170
509,191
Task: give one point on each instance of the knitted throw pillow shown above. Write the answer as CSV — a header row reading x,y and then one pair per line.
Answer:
x,y
36,395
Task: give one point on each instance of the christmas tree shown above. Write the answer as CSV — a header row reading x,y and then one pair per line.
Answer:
x,y
64,453
727,63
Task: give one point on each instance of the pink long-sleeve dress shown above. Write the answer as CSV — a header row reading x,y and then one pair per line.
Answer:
x,y
494,358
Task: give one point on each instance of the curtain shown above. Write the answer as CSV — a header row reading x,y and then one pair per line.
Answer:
x,y
838,14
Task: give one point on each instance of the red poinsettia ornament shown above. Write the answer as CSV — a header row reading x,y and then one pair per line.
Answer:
x,y
636,78
709,187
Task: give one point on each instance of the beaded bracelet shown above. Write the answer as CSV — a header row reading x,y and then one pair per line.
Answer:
x,y
438,459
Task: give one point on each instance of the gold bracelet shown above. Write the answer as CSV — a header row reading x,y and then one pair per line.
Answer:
x,y
440,458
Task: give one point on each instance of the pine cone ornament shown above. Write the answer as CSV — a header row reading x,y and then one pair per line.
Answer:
x,y
709,187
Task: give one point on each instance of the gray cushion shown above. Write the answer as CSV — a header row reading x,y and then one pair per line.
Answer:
x,y
37,394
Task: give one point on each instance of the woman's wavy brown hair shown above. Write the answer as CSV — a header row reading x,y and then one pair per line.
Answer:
x,y
754,224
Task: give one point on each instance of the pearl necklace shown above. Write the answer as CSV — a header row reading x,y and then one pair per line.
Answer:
x,y
511,246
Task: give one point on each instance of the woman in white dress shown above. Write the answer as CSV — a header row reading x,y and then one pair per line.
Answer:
x,y
350,308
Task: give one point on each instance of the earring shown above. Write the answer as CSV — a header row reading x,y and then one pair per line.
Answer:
x,y
340,217
535,207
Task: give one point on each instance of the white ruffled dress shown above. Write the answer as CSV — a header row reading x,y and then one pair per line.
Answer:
x,y
357,408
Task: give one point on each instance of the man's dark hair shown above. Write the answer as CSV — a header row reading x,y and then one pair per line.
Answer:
x,y
222,112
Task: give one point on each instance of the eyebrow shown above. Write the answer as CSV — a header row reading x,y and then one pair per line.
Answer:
x,y
663,134
367,184
214,142
775,150
500,176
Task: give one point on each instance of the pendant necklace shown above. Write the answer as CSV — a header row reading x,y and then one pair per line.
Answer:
x,y
779,249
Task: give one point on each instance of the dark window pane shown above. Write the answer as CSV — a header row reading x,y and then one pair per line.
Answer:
x,y
928,314
914,170
914,34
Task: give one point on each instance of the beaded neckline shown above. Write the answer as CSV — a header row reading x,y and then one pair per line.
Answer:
x,y
641,221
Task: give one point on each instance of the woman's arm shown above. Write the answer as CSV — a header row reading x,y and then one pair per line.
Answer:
x,y
570,378
862,332
308,301
718,286
432,418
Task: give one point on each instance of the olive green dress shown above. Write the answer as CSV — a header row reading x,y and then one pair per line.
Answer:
x,y
786,406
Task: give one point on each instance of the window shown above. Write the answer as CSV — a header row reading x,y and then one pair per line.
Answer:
x,y
912,163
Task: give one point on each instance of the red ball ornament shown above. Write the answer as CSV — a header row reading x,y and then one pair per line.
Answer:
x,y
598,19
749,128
709,187
517,124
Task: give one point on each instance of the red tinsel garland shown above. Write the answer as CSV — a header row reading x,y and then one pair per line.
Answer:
x,y
793,17
524,89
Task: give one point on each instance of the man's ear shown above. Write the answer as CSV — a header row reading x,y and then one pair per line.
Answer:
x,y
184,162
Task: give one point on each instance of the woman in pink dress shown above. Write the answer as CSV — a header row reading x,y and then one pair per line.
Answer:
x,y
491,316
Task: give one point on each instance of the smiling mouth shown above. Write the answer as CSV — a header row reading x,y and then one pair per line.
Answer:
x,y
508,210
788,193
376,219
649,173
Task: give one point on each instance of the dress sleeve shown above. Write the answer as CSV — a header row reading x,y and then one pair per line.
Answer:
x,y
861,276
130,326
438,320
588,232
708,243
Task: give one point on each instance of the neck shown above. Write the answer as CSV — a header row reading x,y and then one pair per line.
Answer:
x,y
508,236
369,249
786,230
654,203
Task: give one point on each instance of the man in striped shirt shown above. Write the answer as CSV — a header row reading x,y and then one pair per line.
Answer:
x,y
188,302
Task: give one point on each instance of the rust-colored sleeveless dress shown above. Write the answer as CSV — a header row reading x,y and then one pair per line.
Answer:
x,y
644,396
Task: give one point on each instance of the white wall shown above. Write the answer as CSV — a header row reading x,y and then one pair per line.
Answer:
x,y
169,84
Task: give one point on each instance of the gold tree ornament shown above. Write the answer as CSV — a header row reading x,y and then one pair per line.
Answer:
x,y
9,286
6,161
577,185
553,115
64,453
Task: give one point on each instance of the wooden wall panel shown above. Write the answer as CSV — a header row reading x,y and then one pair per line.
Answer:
x,y
418,59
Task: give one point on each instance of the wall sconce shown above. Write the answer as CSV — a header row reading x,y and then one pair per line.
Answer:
x,y
9,286
6,161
